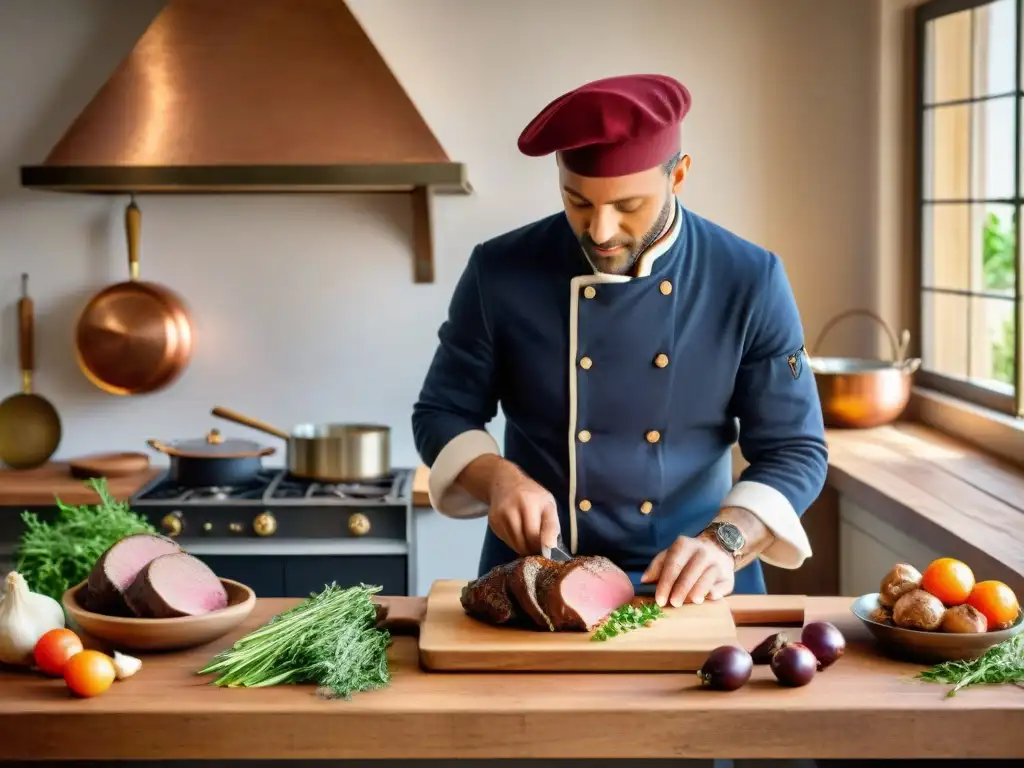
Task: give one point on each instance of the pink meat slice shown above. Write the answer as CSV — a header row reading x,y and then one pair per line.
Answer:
x,y
582,593
118,567
175,585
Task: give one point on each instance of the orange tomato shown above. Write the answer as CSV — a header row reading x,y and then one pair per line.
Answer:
x,y
948,579
53,650
996,601
89,673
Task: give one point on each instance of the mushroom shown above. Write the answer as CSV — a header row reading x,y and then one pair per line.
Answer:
x,y
918,610
964,619
899,581
881,615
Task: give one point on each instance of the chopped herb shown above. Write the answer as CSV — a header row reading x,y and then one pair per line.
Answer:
x,y
1003,663
330,639
55,556
626,619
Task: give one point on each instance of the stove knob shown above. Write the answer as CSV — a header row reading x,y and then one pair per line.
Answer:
x,y
359,524
235,527
265,524
173,524
207,526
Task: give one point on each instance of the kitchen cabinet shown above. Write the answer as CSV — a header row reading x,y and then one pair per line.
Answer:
x,y
870,547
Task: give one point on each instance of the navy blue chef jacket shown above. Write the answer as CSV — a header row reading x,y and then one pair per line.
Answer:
x,y
623,395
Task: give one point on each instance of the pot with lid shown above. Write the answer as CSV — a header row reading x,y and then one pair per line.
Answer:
x,y
862,393
213,461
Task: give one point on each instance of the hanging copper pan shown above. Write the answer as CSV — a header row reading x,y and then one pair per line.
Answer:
x,y
134,337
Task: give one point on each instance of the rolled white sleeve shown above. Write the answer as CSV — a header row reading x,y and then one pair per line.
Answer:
x,y
791,546
445,494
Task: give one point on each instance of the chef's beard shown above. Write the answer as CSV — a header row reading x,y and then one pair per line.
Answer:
x,y
624,263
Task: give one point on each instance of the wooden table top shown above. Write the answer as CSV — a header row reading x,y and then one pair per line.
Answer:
x,y
865,706
38,487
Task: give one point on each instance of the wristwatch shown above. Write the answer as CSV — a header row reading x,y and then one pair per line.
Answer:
x,y
727,536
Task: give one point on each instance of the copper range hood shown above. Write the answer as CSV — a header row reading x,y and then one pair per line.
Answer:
x,y
233,96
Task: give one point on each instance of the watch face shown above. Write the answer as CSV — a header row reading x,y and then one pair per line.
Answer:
x,y
730,537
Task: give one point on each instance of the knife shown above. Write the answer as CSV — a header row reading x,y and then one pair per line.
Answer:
x,y
559,552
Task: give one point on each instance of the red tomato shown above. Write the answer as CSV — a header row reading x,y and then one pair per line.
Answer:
x,y
53,650
89,673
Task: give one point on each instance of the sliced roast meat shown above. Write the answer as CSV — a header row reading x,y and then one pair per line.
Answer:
x,y
569,596
117,568
583,592
522,584
487,598
175,585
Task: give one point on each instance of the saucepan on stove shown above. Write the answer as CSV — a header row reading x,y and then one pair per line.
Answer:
x,y
213,461
329,453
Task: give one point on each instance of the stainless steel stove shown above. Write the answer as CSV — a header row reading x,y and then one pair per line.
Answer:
x,y
287,537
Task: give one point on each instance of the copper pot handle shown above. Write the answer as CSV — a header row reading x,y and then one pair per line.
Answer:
x,y
133,228
164,448
898,349
26,336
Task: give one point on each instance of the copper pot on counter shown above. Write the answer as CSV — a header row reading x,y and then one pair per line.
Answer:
x,y
859,393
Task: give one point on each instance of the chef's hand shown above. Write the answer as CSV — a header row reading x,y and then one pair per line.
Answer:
x,y
690,571
523,514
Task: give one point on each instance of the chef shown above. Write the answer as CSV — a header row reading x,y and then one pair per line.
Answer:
x,y
630,343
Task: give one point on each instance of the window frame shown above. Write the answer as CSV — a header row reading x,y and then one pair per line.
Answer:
x,y
975,394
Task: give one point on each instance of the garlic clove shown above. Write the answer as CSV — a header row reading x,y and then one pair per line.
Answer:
x,y
125,665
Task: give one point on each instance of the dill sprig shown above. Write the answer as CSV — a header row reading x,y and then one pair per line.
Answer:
x,y
1003,663
626,619
54,556
329,639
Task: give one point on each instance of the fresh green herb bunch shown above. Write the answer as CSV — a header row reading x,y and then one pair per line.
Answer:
x,y
53,557
330,639
626,619
1003,663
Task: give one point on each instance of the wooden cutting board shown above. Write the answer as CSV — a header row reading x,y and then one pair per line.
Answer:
x,y
680,641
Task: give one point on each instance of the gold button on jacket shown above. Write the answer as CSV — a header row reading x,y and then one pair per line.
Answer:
x,y
646,507
590,292
653,436
661,360
584,436
665,287
584,505
586,363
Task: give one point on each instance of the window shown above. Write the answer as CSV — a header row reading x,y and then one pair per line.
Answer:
x,y
970,184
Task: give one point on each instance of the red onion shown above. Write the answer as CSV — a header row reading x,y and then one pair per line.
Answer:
x,y
794,665
825,641
726,668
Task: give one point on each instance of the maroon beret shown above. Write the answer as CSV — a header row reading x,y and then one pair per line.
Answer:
x,y
611,127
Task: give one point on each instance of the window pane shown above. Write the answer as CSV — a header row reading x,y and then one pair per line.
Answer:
x,y
992,248
992,342
994,47
947,68
946,241
944,333
994,138
947,152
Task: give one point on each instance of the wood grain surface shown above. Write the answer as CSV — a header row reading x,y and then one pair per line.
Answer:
x,y
864,706
39,487
679,641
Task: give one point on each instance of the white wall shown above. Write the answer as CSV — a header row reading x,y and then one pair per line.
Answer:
x,y
304,306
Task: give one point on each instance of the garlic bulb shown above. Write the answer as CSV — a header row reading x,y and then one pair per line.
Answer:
x,y
25,616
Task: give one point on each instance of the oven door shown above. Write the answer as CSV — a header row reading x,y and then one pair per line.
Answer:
x,y
302,575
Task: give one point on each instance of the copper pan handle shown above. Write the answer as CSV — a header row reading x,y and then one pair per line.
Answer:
x,y
164,448
133,228
248,421
865,313
26,336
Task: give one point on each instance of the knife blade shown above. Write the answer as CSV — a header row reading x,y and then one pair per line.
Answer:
x,y
559,552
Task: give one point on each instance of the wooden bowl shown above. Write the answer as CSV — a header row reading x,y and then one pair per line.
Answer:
x,y
162,634
928,647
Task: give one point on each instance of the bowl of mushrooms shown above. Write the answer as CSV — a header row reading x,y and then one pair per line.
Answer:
x,y
942,614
